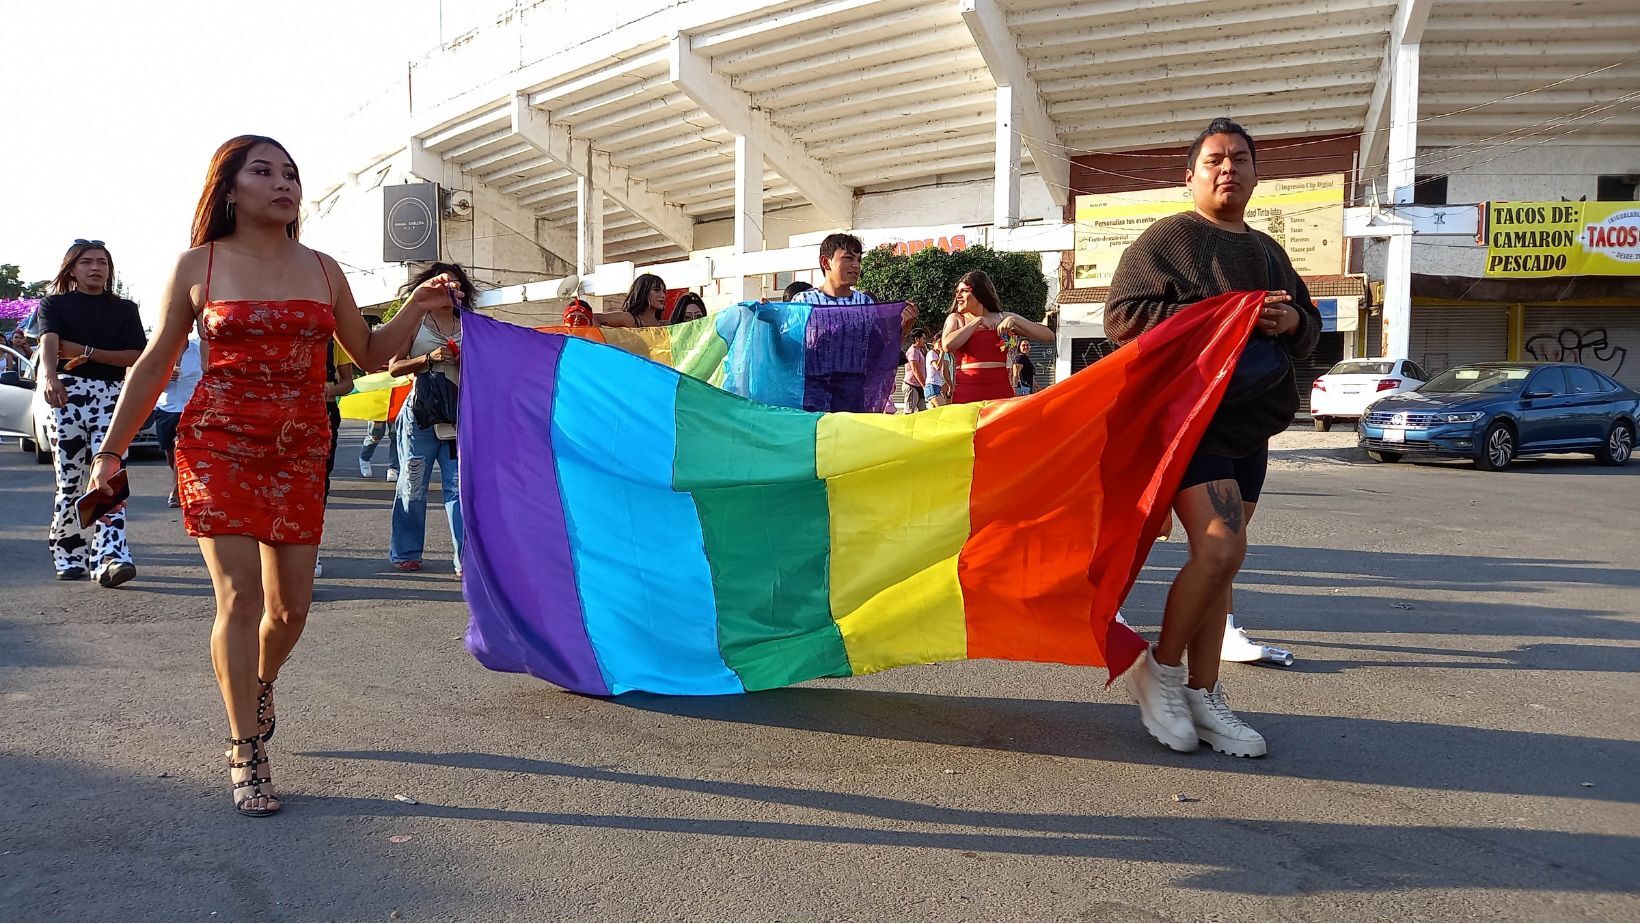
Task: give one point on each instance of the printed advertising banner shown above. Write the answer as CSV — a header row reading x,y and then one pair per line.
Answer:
x,y
1532,239
1304,214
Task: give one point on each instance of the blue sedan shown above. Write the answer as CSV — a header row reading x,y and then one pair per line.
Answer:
x,y
1494,412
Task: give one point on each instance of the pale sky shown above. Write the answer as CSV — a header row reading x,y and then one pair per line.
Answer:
x,y
114,107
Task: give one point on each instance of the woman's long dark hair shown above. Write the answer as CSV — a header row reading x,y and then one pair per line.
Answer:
x,y
212,220
685,302
982,288
433,269
64,280
637,297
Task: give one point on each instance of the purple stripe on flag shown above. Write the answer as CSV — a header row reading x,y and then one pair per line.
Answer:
x,y
852,351
519,578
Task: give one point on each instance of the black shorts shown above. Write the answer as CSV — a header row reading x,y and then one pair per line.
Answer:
x,y
1248,472
165,427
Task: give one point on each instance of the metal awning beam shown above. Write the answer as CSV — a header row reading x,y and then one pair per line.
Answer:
x,y
733,109
576,155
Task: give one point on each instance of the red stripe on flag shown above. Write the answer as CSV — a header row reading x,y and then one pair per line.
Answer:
x,y
1064,505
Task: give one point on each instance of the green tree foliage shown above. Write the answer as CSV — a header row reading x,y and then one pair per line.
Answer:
x,y
929,278
391,309
12,285
11,282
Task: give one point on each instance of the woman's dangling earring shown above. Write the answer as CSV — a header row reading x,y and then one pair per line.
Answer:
x,y
230,210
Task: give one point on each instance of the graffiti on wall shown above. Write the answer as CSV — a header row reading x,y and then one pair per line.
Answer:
x,y
1591,347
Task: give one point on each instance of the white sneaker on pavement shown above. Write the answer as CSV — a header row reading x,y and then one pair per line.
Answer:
x,y
318,569
1159,691
366,470
393,474
1220,727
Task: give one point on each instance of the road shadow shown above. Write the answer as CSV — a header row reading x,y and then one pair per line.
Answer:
x,y
1237,856
1543,656
1303,747
176,851
1381,592
21,646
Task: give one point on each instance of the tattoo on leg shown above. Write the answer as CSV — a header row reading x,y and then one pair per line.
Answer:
x,y
1227,504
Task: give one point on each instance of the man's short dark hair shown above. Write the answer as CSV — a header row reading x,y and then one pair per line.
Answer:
x,y
840,241
1221,126
794,288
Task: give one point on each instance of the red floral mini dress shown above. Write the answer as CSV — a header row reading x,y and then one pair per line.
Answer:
x,y
252,443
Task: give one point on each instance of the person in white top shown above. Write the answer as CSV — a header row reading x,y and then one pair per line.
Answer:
x,y
436,348
185,376
934,376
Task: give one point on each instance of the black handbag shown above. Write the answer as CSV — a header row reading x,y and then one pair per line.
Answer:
x,y
1264,360
434,401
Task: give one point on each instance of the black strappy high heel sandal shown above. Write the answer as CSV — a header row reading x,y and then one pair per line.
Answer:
x,y
254,783
264,699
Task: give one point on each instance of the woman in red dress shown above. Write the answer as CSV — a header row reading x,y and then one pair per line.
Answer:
x,y
975,335
252,442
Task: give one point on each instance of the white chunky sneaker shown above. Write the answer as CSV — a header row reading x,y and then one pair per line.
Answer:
x,y
366,470
1220,727
1159,691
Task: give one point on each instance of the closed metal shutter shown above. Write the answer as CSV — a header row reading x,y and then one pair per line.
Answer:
x,y
1444,337
1375,335
1085,351
1607,339
1045,359
1328,351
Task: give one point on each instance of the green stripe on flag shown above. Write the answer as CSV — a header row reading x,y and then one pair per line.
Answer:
x,y
764,519
697,349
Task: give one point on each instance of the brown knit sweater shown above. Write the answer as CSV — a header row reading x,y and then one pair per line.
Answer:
x,y
1184,259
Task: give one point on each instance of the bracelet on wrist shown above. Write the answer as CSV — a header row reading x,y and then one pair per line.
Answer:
x,y
114,455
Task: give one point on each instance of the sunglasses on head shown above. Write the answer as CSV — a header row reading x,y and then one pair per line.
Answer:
x,y
80,240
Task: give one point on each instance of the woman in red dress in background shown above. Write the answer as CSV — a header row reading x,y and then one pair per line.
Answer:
x,y
975,335
253,440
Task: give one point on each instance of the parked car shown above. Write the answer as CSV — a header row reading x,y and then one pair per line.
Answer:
x,y
24,413
1347,388
1495,412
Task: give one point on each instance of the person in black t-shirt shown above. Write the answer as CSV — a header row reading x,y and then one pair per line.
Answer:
x,y
89,337
1024,371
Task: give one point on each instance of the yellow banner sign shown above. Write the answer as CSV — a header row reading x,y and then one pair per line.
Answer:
x,y
1305,215
1532,239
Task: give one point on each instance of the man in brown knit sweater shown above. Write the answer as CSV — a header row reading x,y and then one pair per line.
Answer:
x,y
1176,262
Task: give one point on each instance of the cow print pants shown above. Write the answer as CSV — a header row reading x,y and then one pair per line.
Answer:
x,y
77,429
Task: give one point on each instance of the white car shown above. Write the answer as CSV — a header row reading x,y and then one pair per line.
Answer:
x,y
1347,388
23,410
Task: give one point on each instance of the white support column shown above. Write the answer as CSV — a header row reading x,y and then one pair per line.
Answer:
x,y
1403,167
589,226
1006,188
748,209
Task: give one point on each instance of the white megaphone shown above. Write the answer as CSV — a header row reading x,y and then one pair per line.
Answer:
x,y
1238,647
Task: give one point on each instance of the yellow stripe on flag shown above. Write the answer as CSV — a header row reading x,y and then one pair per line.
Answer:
x,y
897,487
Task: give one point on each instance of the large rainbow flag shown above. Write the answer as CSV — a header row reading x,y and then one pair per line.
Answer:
x,y
630,527
783,353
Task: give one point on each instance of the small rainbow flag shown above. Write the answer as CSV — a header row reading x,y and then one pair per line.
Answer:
x,y
632,528
787,354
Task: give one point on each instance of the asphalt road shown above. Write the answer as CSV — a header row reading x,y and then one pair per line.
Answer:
x,y
1457,741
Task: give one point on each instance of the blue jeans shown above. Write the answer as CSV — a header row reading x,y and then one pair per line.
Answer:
x,y
418,450
380,429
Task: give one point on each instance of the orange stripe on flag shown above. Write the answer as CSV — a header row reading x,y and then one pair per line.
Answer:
x,y
1100,456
